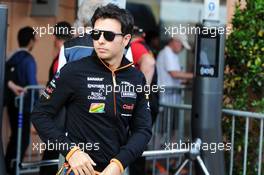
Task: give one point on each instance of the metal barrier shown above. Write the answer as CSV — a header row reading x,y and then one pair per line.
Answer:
x,y
32,90
175,94
169,127
247,116
235,115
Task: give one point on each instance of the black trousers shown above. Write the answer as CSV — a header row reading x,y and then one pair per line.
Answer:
x,y
11,152
49,170
138,167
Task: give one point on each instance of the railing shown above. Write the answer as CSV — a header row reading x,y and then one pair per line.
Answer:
x,y
247,116
33,90
235,115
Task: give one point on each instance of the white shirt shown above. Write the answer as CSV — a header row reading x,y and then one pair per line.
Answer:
x,y
167,61
62,59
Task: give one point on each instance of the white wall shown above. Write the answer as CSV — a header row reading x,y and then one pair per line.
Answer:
x,y
186,11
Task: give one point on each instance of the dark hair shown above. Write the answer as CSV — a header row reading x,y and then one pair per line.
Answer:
x,y
62,30
152,34
138,31
25,35
114,12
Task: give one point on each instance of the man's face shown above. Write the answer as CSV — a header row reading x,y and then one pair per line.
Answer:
x,y
108,50
58,43
176,46
31,44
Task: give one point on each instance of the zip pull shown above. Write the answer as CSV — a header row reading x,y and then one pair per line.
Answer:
x,y
114,79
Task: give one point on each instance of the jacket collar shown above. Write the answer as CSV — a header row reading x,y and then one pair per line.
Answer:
x,y
125,63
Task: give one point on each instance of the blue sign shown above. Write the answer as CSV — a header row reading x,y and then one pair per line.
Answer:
x,y
211,6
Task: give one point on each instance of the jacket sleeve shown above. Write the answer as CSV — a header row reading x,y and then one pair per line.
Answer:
x,y
31,72
52,99
140,127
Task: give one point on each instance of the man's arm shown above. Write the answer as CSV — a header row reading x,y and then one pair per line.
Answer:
x,y
56,95
173,67
181,75
15,88
31,72
144,59
147,66
51,101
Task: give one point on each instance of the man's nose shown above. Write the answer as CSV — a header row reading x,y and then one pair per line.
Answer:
x,y
101,39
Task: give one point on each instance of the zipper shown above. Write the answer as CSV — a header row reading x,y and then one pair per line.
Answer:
x,y
114,95
114,82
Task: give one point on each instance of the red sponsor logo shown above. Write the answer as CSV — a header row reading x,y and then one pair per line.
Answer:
x,y
128,106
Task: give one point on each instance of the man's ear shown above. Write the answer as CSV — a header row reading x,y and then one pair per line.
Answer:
x,y
127,39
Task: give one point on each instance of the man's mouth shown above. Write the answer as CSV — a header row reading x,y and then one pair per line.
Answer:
x,y
102,50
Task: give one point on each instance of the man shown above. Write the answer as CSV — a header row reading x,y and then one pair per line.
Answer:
x,y
22,66
169,69
142,56
145,62
118,122
153,41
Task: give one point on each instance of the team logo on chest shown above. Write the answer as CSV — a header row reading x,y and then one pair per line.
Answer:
x,y
97,108
129,107
95,88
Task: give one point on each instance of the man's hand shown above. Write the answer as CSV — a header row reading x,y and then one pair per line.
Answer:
x,y
112,169
81,163
33,130
15,88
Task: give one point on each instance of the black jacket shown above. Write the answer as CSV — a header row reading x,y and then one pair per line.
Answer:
x,y
119,123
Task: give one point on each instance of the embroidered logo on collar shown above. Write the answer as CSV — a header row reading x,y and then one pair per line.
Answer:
x,y
97,108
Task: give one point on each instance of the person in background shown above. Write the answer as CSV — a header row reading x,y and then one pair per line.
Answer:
x,y
153,41
144,61
24,69
169,68
142,56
